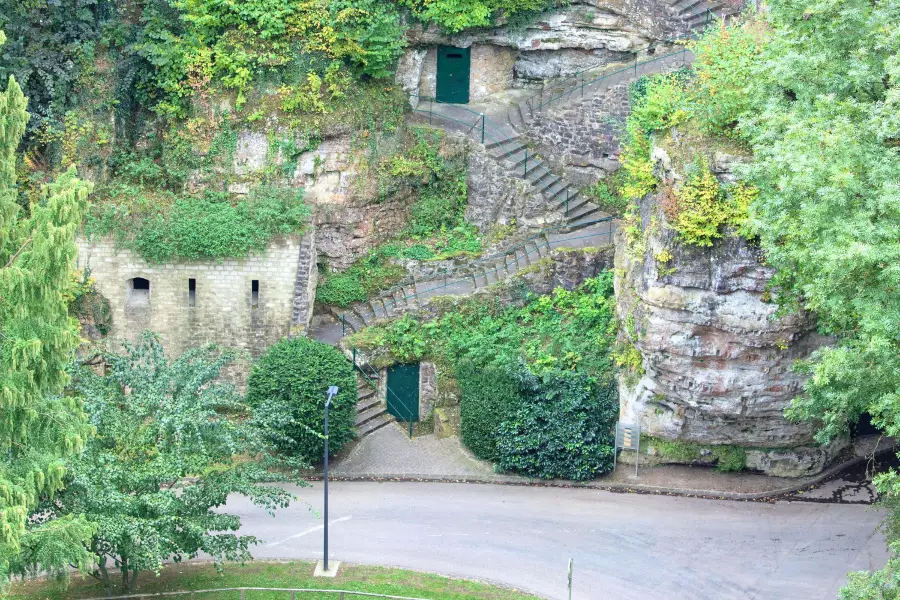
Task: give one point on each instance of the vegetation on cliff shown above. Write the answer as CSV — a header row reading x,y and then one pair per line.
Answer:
x,y
812,91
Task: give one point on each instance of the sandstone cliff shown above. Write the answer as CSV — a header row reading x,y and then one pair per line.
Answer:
x,y
716,358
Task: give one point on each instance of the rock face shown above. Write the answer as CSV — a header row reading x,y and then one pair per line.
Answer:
x,y
584,34
717,362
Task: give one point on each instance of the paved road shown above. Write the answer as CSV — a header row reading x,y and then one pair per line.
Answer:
x,y
625,545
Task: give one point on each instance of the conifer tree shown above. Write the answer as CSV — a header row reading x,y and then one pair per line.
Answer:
x,y
39,426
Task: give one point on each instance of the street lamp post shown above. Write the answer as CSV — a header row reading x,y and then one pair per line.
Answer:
x,y
332,392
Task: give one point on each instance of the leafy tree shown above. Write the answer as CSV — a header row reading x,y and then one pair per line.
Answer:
x,y
172,443
39,427
287,389
47,42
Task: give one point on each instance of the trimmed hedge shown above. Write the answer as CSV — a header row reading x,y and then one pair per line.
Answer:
x,y
287,390
488,397
562,428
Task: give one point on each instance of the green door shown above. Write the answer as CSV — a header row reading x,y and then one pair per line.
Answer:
x,y
403,392
453,75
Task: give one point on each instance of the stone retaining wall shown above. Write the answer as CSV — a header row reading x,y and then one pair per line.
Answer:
x,y
580,139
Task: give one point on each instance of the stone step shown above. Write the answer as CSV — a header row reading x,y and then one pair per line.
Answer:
x,y
364,312
370,414
585,210
375,424
353,321
378,308
364,404
504,143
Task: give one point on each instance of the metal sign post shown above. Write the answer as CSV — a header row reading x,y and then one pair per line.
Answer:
x,y
332,392
628,437
570,579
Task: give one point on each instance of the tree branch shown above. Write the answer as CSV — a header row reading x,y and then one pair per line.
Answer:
x,y
19,251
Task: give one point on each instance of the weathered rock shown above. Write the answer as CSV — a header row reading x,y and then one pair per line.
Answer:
x,y
717,360
585,34
496,197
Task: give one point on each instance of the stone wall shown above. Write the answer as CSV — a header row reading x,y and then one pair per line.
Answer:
x,y
492,70
581,138
222,312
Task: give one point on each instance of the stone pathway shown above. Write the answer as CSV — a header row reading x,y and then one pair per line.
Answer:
x,y
391,455
389,451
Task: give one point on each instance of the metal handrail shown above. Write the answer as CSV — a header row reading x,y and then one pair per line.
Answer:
x,y
490,259
373,378
242,590
575,76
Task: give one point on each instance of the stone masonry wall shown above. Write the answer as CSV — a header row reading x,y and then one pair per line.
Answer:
x,y
222,313
492,70
581,138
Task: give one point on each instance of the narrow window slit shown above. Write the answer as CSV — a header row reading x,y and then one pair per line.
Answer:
x,y
254,294
192,292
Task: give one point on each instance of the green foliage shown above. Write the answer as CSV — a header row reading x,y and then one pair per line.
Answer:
x,y
47,45
365,277
171,444
208,226
880,585
701,212
606,195
87,304
658,103
489,396
562,428
457,15
535,380
727,457
725,57
40,427
287,392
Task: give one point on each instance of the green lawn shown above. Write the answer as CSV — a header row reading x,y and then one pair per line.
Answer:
x,y
290,574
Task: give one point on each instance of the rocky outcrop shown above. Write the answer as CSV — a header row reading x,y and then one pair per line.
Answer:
x,y
717,359
584,34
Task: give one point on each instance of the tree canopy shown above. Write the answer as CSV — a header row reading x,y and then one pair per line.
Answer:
x,y
39,426
172,442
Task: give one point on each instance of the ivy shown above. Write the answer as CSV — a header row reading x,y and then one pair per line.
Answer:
x,y
202,227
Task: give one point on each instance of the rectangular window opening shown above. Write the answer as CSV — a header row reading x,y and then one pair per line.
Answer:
x,y
254,293
192,292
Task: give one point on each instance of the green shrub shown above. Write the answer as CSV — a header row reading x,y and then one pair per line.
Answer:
x,y
561,429
729,458
604,195
487,398
287,392
365,277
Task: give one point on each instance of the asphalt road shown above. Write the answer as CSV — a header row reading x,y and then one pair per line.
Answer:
x,y
624,545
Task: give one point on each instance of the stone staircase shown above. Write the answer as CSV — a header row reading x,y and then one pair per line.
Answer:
x,y
371,412
473,277
505,138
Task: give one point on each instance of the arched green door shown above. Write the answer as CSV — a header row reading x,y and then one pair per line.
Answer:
x,y
403,392
453,66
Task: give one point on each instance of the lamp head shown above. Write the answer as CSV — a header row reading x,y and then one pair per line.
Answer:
x,y
332,392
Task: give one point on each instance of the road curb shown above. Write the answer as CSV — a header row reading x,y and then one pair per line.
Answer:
x,y
609,487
